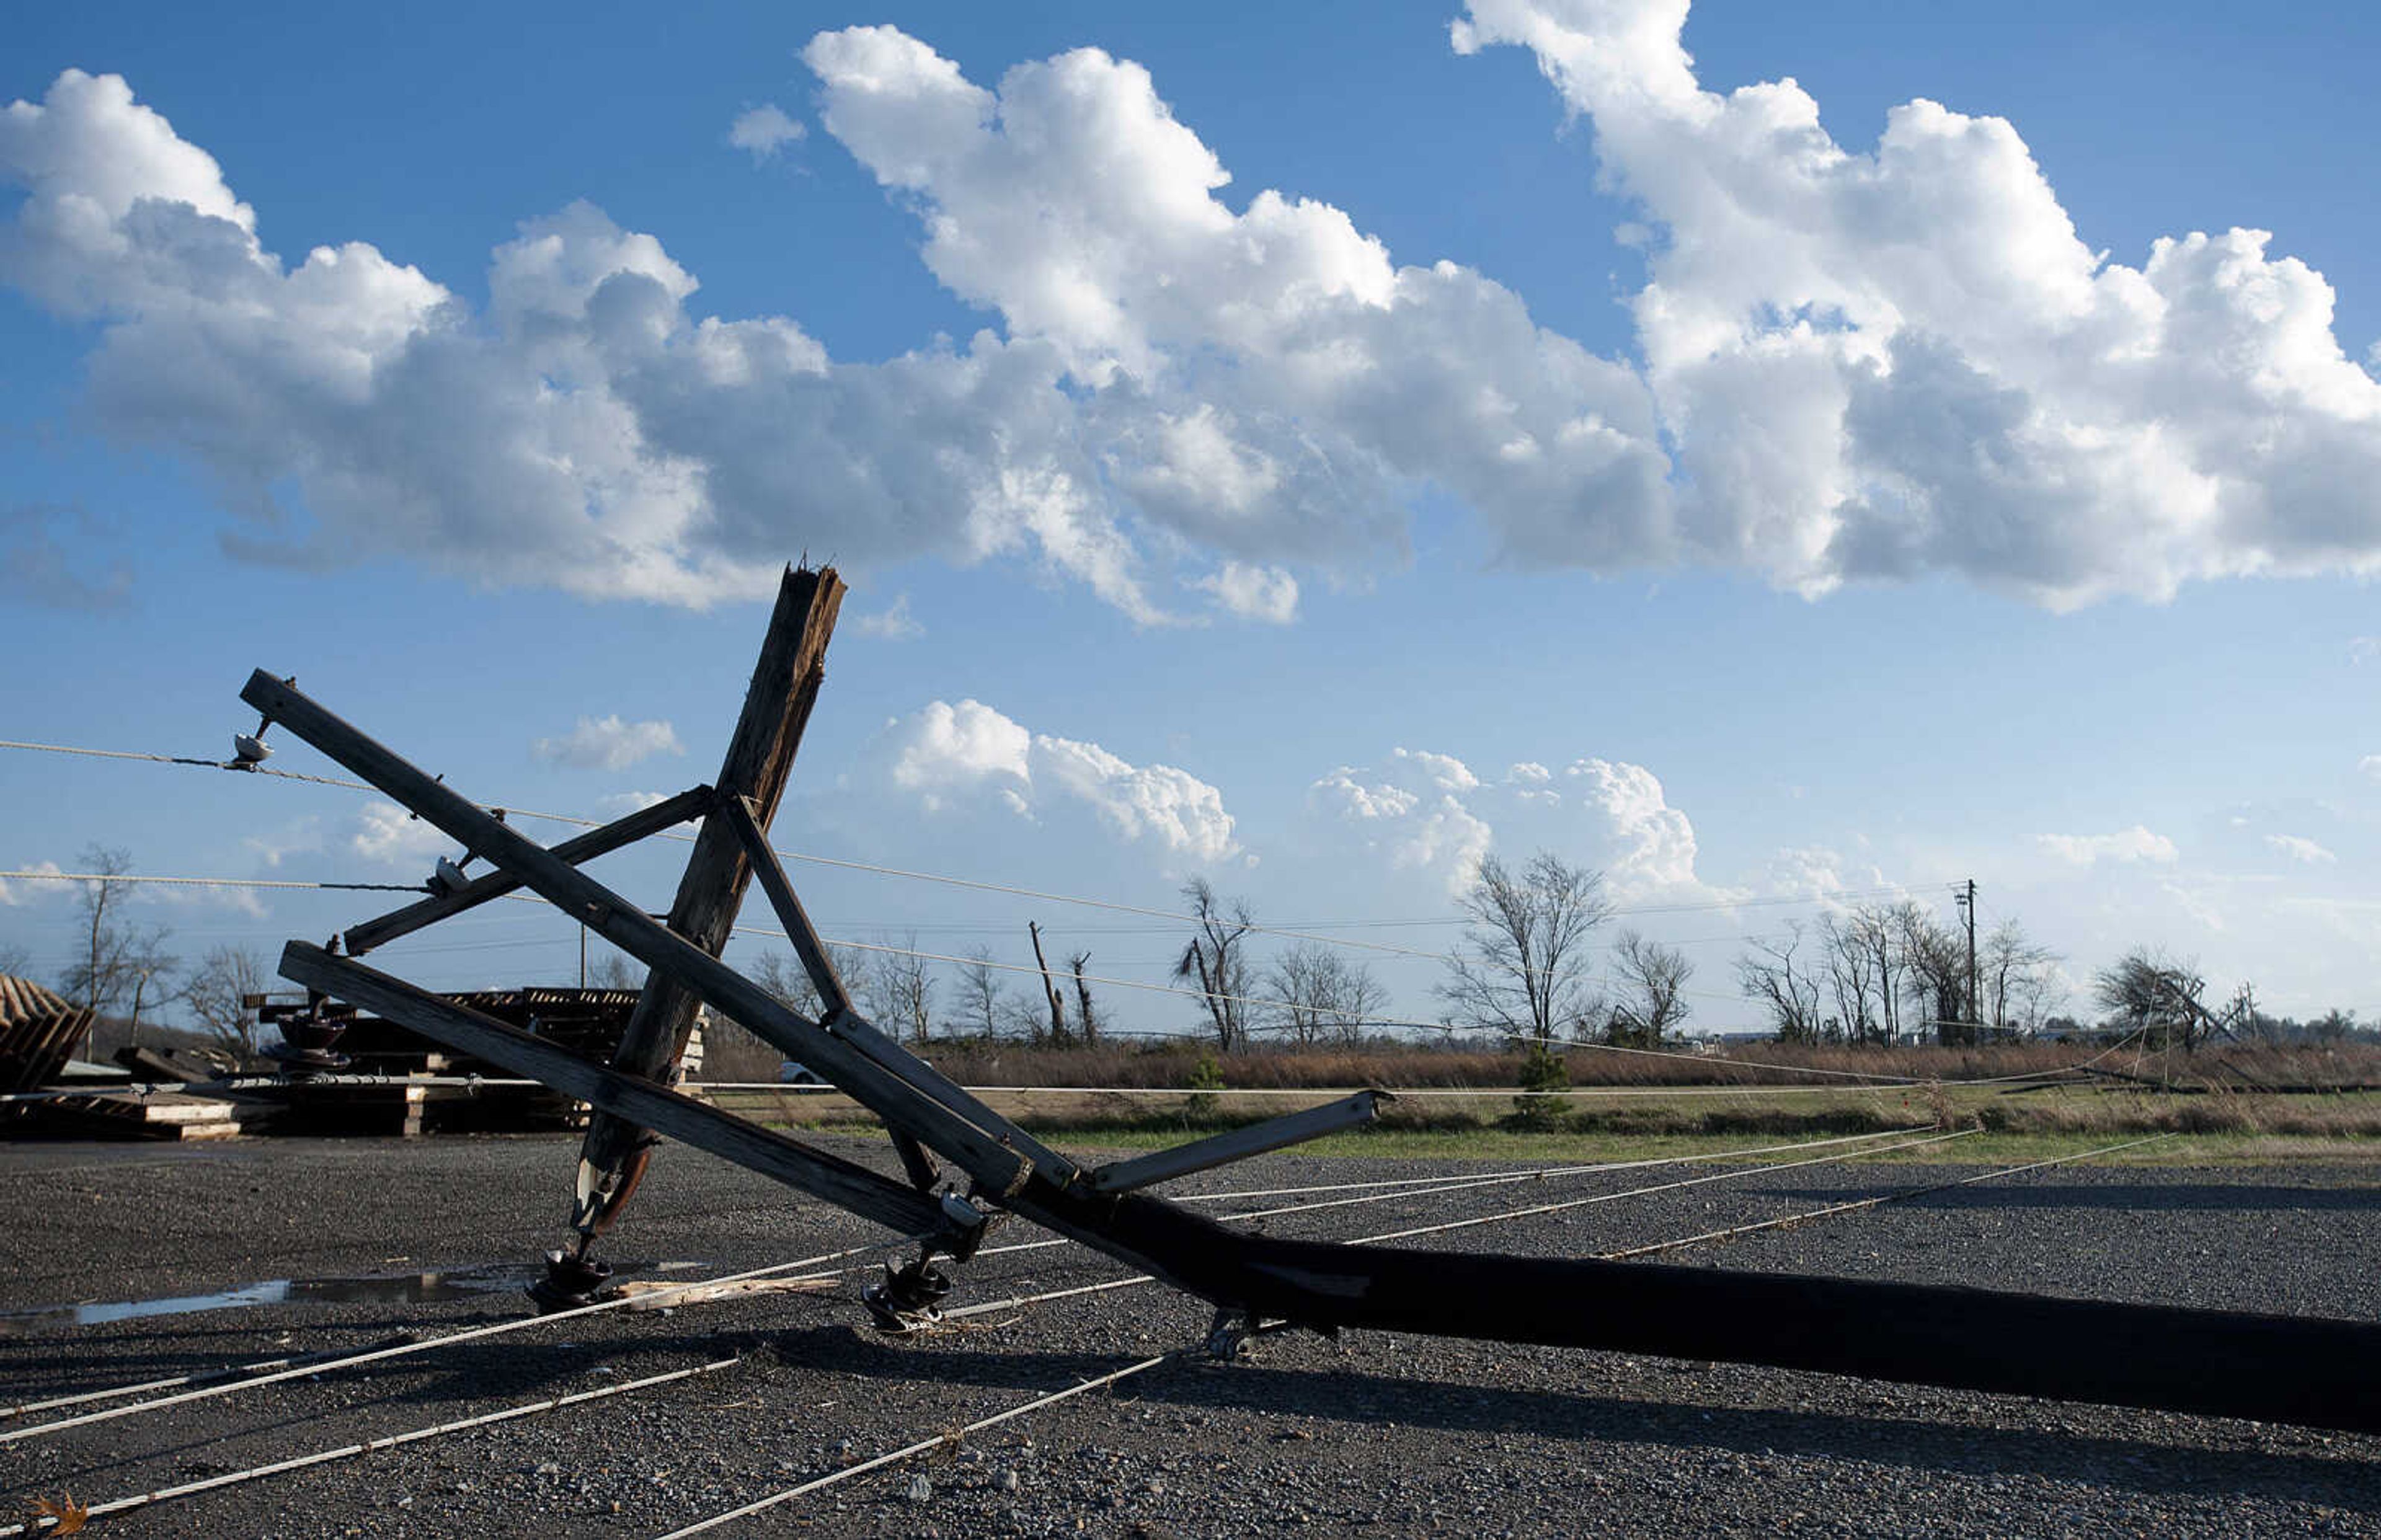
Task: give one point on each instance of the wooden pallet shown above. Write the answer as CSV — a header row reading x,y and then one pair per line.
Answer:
x,y
38,1029
121,1115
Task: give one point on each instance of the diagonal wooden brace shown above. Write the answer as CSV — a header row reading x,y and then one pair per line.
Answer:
x,y
991,1152
1274,1133
840,1017
691,803
837,1181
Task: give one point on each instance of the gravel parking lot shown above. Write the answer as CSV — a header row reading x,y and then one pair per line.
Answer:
x,y
1367,1433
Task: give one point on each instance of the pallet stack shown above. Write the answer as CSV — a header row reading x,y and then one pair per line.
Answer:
x,y
163,1115
408,1103
38,1029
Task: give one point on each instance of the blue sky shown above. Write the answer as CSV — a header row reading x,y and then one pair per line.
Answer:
x,y
1762,503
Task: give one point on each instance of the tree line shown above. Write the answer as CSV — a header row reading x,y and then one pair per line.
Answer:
x,y
1872,973
1883,973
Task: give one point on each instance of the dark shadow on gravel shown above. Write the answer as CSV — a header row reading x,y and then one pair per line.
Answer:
x,y
1349,1396
967,1359
2212,1198
2102,1460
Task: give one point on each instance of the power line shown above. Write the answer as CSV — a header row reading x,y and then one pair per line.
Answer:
x,y
1789,1221
210,882
925,1445
233,765
369,1445
403,1349
1012,891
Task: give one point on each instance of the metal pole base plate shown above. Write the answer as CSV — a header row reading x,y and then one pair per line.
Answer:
x,y
907,1298
570,1282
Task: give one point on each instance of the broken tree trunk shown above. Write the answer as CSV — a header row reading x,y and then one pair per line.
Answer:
x,y
1057,1001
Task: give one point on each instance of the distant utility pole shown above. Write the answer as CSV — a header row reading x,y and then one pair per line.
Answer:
x,y
1967,900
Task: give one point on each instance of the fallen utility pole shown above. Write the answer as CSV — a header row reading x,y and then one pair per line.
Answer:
x,y
2279,1368
760,759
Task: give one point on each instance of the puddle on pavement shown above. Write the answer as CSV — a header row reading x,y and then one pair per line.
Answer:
x,y
452,1283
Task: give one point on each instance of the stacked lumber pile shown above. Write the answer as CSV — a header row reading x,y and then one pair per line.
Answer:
x,y
38,1029
129,1115
587,1022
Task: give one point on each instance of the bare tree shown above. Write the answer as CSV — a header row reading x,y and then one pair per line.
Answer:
x,y
1866,962
1785,983
907,990
149,970
863,981
1525,951
1850,965
1022,1016
2158,995
96,976
218,992
787,982
1935,976
1652,980
615,970
15,961
1324,996
120,963
2019,980
1878,959
1087,1014
1217,960
981,996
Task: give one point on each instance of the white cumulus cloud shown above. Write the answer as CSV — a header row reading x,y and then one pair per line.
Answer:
x,y
1871,363
1420,811
2301,849
1412,812
1883,363
387,833
764,130
12,895
1654,845
893,623
947,755
608,743
1252,592
2136,844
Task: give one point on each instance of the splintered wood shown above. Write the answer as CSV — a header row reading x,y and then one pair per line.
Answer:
x,y
676,1294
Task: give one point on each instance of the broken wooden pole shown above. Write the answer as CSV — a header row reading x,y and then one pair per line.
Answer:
x,y
760,757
